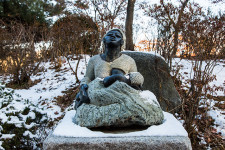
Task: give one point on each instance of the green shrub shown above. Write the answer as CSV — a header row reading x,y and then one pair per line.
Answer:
x,y
25,125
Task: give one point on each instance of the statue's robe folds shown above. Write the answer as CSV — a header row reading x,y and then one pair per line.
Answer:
x,y
119,104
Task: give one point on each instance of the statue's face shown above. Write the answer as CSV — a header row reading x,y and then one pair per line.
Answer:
x,y
113,38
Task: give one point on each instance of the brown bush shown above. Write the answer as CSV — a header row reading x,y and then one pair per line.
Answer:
x,y
74,34
197,122
18,55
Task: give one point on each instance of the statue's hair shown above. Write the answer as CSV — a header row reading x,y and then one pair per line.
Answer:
x,y
123,35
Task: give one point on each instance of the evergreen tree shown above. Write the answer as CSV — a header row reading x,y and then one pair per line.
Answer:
x,y
29,11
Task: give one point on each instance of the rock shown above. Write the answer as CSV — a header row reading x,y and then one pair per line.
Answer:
x,y
157,78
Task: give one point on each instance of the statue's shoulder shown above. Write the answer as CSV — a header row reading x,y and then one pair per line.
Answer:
x,y
95,58
127,58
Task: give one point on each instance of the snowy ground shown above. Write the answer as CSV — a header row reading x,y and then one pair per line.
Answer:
x,y
42,95
219,72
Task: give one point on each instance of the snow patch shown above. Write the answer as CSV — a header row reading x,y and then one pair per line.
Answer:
x,y
7,136
170,127
28,133
149,97
219,121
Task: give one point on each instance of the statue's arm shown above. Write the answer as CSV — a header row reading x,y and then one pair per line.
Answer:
x,y
113,78
136,78
89,75
133,66
82,96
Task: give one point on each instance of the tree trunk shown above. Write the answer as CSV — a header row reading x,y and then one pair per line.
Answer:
x,y
128,25
177,28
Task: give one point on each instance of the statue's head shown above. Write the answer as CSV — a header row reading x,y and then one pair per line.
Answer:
x,y
114,38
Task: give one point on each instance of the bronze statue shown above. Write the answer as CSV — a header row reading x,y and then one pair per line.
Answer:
x,y
110,92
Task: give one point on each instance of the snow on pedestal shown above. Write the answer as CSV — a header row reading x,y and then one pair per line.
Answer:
x,y
169,135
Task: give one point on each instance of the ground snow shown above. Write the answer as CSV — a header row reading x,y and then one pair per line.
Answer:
x,y
219,120
52,84
7,136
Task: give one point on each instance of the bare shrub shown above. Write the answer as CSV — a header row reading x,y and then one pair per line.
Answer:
x,y
204,38
194,93
75,35
105,12
170,19
71,36
20,58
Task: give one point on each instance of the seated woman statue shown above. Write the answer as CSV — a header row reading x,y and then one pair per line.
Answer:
x,y
110,93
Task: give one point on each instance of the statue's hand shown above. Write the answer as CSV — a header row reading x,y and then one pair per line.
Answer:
x,y
113,78
82,96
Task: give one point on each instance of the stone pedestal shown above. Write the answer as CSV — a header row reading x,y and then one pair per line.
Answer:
x,y
117,143
169,136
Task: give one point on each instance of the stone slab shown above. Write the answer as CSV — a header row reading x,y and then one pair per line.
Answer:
x,y
69,136
110,143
